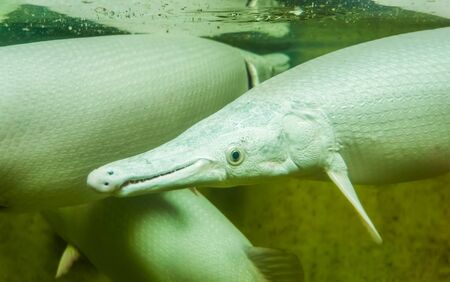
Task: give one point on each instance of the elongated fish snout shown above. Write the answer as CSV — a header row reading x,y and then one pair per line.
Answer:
x,y
134,176
105,179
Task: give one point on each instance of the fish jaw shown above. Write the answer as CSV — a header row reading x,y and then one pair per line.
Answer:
x,y
209,162
129,179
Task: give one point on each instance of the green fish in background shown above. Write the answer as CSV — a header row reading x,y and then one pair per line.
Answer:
x,y
193,17
173,236
67,106
373,113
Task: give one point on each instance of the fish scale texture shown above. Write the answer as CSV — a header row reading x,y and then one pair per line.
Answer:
x,y
68,106
172,236
387,102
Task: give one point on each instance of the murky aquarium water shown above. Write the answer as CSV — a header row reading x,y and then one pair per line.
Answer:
x,y
86,83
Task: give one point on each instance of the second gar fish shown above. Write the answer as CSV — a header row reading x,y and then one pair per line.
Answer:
x,y
173,236
68,106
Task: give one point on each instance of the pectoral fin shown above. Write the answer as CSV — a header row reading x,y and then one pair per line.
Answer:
x,y
337,171
68,258
276,265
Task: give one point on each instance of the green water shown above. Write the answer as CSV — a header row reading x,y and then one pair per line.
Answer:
x,y
308,218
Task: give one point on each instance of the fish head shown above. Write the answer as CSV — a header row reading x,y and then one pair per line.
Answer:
x,y
214,152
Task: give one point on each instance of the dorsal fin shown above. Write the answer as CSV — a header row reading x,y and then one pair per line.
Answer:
x,y
263,67
68,258
276,265
337,171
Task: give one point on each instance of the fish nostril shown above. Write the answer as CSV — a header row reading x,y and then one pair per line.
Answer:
x,y
110,172
106,183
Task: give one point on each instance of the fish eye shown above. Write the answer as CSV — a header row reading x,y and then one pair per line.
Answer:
x,y
235,156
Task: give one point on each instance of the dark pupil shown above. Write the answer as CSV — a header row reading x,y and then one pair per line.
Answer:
x,y
235,155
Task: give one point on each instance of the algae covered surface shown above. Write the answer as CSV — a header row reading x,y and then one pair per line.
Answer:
x,y
311,219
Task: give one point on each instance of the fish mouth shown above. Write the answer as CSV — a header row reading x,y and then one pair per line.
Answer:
x,y
162,181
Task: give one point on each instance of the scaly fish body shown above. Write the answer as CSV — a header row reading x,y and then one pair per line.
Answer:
x,y
386,104
173,236
67,106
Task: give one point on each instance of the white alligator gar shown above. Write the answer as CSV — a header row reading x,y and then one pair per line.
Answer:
x,y
67,106
377,112
173,236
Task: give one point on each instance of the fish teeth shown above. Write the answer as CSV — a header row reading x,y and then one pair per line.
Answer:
x,y
135,181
